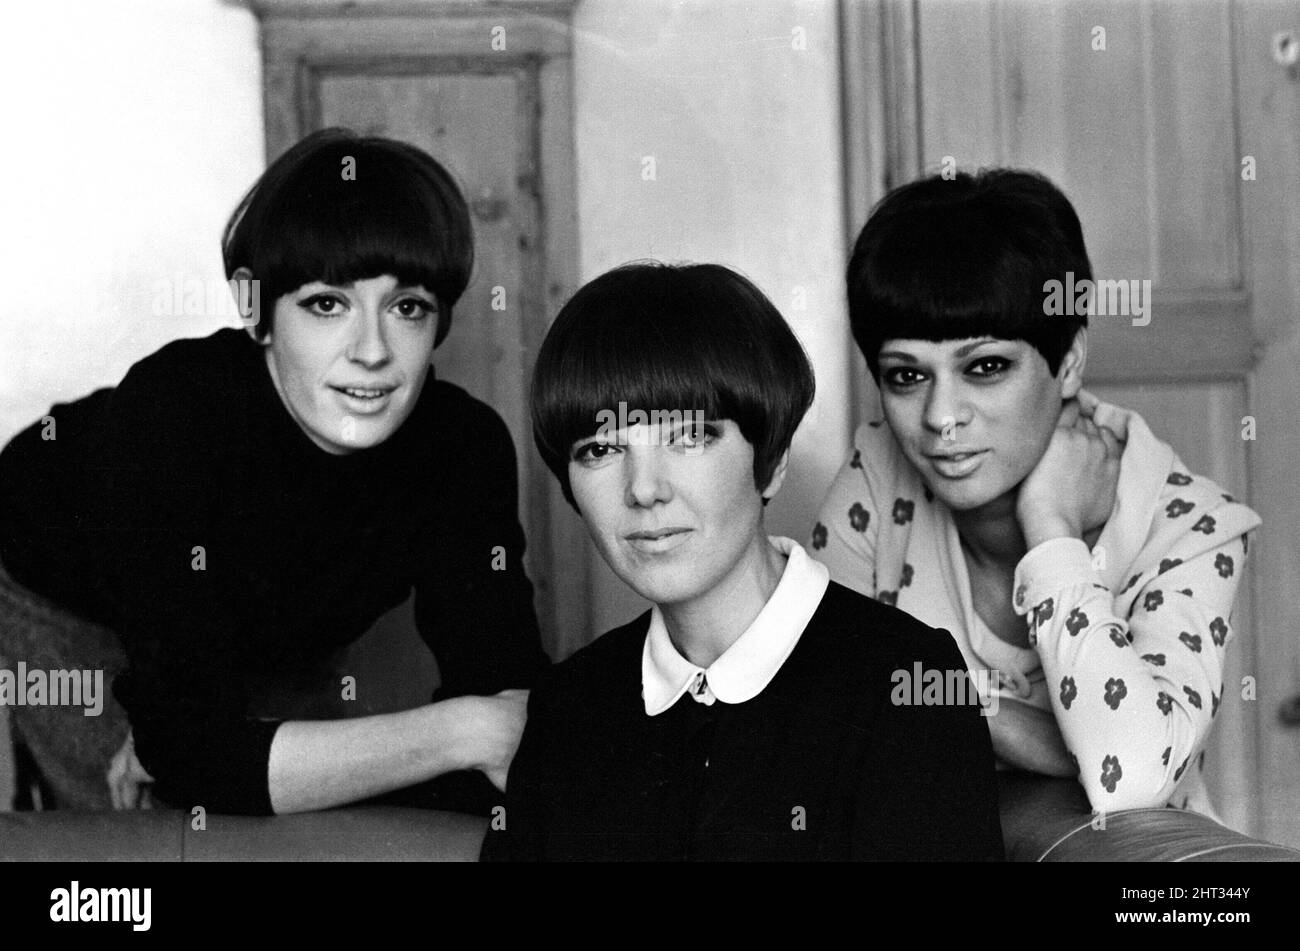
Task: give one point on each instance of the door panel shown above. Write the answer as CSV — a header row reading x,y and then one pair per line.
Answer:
x,y
1147,137
1140,135
490,160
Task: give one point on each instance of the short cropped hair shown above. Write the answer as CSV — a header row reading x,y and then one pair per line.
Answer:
x,y
662,337
949,259
314,215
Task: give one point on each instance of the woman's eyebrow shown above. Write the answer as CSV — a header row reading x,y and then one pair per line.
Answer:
x,y
414,289
958,354
973,345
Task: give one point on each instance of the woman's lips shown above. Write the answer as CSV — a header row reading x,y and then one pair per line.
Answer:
x,y
364,401
657,541
957,465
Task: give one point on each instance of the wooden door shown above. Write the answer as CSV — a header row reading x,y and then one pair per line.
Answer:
x,y
1142,113
480,126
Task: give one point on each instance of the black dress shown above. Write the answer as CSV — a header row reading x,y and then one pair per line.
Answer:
x,y
819,765
237,559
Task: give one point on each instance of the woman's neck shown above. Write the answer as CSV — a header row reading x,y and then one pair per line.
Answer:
x,y
703,628
991,534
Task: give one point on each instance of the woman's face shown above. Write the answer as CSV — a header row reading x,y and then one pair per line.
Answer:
x,y
676,515
350,361
973,417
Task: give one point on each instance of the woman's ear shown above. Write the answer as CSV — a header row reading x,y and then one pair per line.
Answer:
x,y
1071,372
248,301
778,476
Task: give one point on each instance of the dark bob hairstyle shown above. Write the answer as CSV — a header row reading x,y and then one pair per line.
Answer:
x,y
661,337
949,259
316,216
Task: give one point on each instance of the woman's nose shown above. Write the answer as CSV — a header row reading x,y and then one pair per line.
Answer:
x,y
369,345
646,479
945,409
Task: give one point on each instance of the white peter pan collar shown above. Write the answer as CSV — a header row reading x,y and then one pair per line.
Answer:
x,y
750,663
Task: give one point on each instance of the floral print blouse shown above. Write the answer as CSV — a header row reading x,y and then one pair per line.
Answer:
x,y
1127,639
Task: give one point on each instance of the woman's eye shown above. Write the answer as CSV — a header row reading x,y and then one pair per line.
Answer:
x,y
413,308
900,377
323,305
694,436
688,436
592,453
988,366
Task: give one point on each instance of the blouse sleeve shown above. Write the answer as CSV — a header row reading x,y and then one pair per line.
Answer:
x,y
844,538
172,568
1135,695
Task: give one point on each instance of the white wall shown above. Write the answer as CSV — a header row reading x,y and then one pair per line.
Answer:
x,y
131,130
139,126
745,133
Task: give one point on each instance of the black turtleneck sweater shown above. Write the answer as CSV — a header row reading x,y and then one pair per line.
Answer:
x,y
301,551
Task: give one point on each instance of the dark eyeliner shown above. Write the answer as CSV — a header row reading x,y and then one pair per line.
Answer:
x,y
314,299
427,309
1001,365
581,453
890,376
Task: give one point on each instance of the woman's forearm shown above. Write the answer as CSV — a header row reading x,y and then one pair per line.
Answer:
x,y
1030,739
326,763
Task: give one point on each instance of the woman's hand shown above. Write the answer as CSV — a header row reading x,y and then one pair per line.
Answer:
x,y
128,781
498,724
1072,489
1030,739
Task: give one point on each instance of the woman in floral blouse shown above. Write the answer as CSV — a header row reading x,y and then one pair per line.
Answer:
x,y
1061,542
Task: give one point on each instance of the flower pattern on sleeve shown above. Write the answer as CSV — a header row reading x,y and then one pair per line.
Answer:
x,y
1131,654
1149,705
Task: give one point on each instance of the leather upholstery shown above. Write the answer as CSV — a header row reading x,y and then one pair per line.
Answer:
x,y
1049,820
362,833
1043,820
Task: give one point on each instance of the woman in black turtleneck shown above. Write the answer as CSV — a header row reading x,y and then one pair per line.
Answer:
x,y
247,505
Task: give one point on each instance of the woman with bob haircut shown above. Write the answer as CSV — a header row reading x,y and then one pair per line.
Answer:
x,y
265,494
747,714
1062,543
